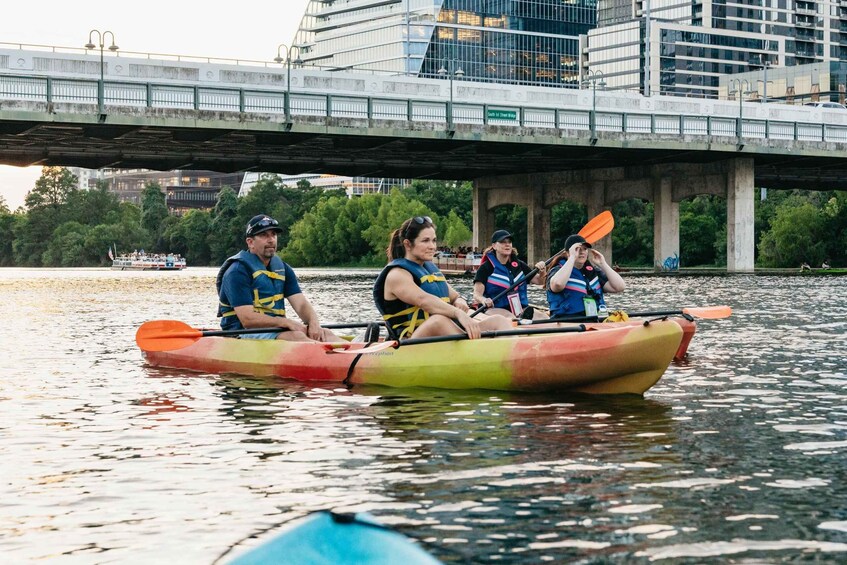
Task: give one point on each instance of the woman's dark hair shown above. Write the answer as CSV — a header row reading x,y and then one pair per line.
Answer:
x,y
407,230
556,258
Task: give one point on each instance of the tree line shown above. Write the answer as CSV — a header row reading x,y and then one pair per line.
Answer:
x,y
61,226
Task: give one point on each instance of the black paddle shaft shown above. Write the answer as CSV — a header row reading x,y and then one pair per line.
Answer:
x,y
498,333
529,276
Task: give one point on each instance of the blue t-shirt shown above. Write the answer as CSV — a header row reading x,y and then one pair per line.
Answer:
x,y
237,285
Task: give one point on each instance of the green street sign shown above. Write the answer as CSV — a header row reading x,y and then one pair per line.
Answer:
x,y
502,114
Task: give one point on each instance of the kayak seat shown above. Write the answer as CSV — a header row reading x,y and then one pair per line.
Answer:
x,y
372,332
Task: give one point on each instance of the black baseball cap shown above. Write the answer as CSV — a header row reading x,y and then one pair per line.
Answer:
x,y
261,223
500,235
575,238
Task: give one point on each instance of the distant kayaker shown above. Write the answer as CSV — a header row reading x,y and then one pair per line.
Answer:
x,y
413,295
254,284
499,269
575,285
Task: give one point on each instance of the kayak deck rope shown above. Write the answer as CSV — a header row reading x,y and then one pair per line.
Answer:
x,y
371,337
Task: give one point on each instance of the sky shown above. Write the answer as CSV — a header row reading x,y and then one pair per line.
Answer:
x,y
248,30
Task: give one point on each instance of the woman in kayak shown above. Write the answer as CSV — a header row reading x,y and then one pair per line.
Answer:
x,y
575,285
413,296
500,269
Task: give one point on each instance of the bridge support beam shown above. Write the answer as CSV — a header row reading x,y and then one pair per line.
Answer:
x,y
665,221
483,217
538,227
595,203
740,238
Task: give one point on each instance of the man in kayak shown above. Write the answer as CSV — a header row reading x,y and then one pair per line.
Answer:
x,y
499,269
254,284
575,285
412,294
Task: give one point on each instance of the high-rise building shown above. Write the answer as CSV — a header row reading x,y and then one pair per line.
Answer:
x,y
689,45
507,41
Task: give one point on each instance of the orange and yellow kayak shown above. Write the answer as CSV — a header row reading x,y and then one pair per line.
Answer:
x,y
608,359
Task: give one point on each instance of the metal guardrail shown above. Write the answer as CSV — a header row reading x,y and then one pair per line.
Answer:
x,y
291,104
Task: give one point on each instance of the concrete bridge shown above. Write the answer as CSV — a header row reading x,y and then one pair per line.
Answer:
x,y
529,146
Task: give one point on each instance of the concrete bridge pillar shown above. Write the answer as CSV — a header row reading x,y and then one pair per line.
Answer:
x,y
538,227
483,217
595,203
665,221
740,241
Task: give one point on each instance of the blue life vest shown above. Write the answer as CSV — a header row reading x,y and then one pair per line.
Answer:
x,y
500,280
582,283
268,288
402,318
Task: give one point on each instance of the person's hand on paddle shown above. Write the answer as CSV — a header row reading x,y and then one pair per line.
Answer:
x,y
461,304
471,326
314,330
483,301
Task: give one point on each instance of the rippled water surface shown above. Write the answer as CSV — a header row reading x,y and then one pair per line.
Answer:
x,y
737,454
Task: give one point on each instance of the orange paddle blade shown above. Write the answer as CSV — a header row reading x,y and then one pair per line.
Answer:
x,y
598,227
165,335
709,312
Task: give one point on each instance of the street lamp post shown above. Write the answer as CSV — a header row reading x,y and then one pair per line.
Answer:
x,y
101,43
458,73
739,84
287,59
593,77
765,65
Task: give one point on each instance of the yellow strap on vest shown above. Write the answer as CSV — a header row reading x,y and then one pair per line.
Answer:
x,y
261,304
433,278
269,274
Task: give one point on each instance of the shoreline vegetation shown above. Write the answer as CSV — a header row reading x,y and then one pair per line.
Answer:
x,y
62,226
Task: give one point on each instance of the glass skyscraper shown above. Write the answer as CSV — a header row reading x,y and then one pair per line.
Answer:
x,y
507,41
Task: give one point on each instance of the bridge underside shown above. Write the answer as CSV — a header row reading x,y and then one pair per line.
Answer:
x,y
532,167
383,152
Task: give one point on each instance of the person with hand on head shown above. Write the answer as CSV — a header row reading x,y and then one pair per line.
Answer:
x,y
500,269
576,284
414,297
254,284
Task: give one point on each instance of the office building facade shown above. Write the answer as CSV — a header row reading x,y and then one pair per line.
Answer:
x,y
690,45
532,42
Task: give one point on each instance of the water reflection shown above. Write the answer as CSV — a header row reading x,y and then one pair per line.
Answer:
x,y
737,453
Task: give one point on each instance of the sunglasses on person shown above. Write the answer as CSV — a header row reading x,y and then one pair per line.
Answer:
x,y
262,225
420,220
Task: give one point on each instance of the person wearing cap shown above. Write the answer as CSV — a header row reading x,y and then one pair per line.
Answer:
x,y
254,284
575,284
414,297
499,269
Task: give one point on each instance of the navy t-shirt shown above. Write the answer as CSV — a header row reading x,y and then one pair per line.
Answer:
x,y
237,285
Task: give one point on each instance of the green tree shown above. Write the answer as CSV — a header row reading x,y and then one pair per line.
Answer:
x,y
511,218
394,209
91,207
189,236
67,246
443,197
4,207
456,233
154,211
632,238
566,218
835,214
7,238
227,233
796,236
52,189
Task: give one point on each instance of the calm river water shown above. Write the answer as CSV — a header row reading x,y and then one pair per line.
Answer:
x,y
737,454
